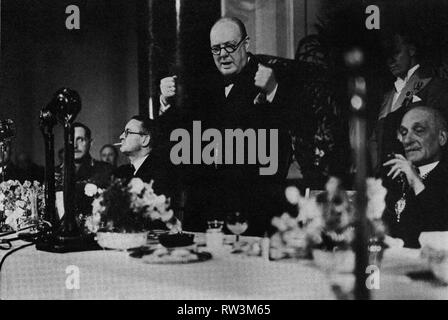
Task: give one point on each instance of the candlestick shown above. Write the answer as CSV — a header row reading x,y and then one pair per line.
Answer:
x,y
357,92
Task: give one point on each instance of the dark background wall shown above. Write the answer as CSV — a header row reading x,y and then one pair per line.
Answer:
x,y
39,55
100,61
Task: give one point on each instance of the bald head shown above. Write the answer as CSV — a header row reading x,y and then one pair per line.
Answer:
x,y
423,133
236,22
433,115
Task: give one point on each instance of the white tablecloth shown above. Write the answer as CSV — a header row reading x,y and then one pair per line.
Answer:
x,y
32,274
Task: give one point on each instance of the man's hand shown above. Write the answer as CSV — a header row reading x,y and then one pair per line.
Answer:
x,y
167,89
401,165
265,79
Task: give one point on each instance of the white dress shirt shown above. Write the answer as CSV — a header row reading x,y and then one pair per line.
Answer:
x,y
427,168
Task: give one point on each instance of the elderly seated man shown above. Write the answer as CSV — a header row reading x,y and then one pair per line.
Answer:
x,y
417,199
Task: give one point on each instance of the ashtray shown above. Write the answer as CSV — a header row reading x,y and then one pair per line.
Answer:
x,y
176,240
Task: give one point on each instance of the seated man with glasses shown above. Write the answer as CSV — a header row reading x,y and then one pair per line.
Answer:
x,y
244,94
138,144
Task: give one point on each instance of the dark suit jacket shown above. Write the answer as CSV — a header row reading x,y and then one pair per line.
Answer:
x,y
91,170
216,190
431,90
155,168
428,211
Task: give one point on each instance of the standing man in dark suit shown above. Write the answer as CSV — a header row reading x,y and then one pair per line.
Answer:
x,y
138,143
415,84
244,94
419,201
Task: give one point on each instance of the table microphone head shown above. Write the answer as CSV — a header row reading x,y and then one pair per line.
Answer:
x,y
7,130
47,116
66,104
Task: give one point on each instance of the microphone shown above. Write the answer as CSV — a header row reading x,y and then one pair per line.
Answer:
x,y
7,130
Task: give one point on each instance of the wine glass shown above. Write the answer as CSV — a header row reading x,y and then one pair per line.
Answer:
x,y
237,224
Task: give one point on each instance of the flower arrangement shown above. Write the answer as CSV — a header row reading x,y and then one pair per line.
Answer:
x,y
20,203
325,221
128,208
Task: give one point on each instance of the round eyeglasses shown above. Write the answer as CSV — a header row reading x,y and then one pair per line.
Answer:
x,y
128,132
228,47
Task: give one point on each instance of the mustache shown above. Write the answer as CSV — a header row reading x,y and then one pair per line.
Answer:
x,y
411,147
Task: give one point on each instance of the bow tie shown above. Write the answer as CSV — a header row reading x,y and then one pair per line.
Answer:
x,y
227,82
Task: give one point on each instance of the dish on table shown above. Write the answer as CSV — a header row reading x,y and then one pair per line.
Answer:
x,y
161,255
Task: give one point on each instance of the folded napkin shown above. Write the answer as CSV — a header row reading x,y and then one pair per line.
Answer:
x,y
437,240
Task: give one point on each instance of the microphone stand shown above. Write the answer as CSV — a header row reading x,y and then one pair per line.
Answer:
x,y
357,92
69,229
47,122
68,237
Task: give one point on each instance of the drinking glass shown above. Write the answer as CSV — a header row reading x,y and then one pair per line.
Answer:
x,y
237,224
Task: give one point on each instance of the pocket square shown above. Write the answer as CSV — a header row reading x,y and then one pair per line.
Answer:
x,y
416,99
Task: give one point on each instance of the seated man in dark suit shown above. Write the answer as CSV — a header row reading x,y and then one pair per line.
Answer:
x,y
419,201
87,169
138,143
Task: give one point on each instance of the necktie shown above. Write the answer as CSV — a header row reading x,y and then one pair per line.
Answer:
x,y
261,98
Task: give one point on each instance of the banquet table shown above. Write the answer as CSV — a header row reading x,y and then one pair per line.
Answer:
x,y
109,274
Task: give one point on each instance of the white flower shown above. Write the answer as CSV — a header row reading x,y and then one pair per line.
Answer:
x,y
332,186
20,204
90,189
376,194
279,223
93,222
166,215
309,209
96,206
12,217
136,185
154,215
292,194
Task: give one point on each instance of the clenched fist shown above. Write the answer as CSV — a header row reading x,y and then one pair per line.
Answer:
x,y
168,88
265,79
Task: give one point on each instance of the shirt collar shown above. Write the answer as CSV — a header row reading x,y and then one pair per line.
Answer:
x,y
427,168
400,83
138,163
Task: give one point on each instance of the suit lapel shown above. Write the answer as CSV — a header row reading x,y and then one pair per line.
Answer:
x,y
386,107
413,86
145,168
